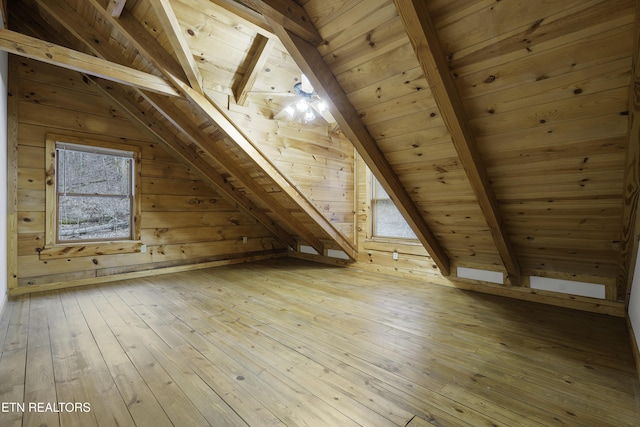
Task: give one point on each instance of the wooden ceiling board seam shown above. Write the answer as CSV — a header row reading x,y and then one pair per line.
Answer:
x,y
544,35
377,69
544,60
578,107
588,81
487,35
328,11
396,108
360,29
396,87
553,135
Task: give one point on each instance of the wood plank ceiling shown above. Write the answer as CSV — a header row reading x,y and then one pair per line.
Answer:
x,y
500,129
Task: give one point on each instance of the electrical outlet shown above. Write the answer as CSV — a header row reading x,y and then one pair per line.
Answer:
x,y
143,248
245,239
395,255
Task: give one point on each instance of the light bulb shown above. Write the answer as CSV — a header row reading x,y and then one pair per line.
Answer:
x,y
290,111
302,105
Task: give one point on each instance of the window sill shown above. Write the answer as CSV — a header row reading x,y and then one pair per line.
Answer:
x,y
394,240
79,249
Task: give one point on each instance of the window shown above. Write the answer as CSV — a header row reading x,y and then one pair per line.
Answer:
x,y
94,193
387,221
91,194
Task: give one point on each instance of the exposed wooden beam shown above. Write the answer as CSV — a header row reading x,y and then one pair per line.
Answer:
x,y
173,31
198,137
168,137
263,46
185,153
249,16
240,140
424,39
631,190
228,128
60,56
181,119
140,38
288,14
324,82
115,7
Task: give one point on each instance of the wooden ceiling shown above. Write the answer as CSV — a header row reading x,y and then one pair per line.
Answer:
x,y
505,131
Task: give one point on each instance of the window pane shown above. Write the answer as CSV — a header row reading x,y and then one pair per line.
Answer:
x,y
93,173
378,191
388,222
387,219
93,218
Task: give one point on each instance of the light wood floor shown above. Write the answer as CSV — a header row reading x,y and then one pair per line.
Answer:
x,y
286,342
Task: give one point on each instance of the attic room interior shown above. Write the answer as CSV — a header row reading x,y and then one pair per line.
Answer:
x,y
319,212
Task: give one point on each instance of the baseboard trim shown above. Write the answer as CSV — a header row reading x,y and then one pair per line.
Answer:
x,y
21,290
593,305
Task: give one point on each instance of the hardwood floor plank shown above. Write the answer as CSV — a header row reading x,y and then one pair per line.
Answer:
x,y
241,332
289,342
13,360
136,405
39,384
163,401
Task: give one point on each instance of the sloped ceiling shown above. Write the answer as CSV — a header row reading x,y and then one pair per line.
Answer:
x,y
500,129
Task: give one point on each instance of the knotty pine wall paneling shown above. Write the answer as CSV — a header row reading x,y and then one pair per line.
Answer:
x,y
183,220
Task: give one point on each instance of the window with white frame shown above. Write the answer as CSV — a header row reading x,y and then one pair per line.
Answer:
x,y
91,192
387,221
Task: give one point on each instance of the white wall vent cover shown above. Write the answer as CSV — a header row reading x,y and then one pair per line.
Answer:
x,y
584,289
334,253
477,274
306,249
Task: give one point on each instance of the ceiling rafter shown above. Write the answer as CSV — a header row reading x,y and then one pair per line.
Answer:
x,y
173,31
197,136
289,15
263,46
227,126
424,39
164,135
181,120
324,82
60,56
631,187
242,142
212,176
128,25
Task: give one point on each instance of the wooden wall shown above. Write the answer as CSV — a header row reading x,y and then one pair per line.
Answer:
x,y
183,220
376,254
315,159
